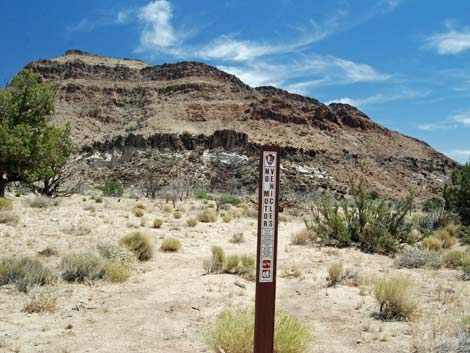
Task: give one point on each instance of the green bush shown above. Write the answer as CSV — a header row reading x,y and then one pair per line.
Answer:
x,y
157,223
24,272
377,226
170,245
464,235
5,205
79,267
396,299
112,188
232,331
139,243
433,204
201,195
457,194
228,198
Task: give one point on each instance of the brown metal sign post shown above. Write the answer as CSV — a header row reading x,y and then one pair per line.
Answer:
x,y
268,208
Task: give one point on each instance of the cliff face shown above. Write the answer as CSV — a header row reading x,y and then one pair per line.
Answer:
x,y
134,121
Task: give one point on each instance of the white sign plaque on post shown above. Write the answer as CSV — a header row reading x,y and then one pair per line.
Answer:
x,y
268,216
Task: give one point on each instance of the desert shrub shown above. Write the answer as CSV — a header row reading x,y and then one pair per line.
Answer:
x,y
251,213
431,243
232,331
201,195
211,205
167,208
113,252
140,205
48,251
237,238
375,225
447,240
457,194
98,199
412,257
140,245
8,217
83,266
216,262
335,274
428,222
301,237
138,212
465,262
228,198
395,297
207,216
170,245
464,234
117,271
453,258
453,230
227,219
40,201
157,223
247,267
112,188
41,299
24,272
192,222
231,264
433,204
177,214
5,205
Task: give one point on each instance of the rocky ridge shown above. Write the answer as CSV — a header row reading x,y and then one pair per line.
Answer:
x,y
132,121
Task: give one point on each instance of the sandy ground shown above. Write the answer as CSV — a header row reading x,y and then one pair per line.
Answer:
x,y
168,302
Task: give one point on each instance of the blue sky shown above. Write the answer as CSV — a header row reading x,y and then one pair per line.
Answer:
x,y
406,63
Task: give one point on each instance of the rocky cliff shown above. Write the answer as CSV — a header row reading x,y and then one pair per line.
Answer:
x,y
133,122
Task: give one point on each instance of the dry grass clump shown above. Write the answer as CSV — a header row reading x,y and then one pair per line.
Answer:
x,y
41,300
40,201
207,216
301,237
431,243
8,217
453,258
216,263
139,205
192,222
335,274
113,252
117,271
226,219
396,298
231,264
465,262
167,208
139,243
292,272
157,223
237,238
412,257
170,245
138,212
447,240
232,331
24,272
83,266
5,205
177,214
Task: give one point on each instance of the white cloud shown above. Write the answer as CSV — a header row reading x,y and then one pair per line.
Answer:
x,y
462,156
228,48
380,98
158,32
451,42
103,19
452,122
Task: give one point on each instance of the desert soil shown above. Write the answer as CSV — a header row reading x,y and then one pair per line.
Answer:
x,y
168,302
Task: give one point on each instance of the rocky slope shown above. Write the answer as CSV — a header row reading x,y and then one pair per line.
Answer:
x,y
137,122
